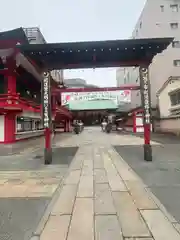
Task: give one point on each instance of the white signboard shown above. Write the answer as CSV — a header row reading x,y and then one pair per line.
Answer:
x,y
139,121
118,96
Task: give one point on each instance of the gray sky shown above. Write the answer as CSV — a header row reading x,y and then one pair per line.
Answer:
x,y
75,20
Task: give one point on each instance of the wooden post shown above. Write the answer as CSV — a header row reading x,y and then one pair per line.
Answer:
x,y
146,103
47,117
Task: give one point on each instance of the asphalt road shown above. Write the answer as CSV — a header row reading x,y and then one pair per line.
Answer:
x,y
19,217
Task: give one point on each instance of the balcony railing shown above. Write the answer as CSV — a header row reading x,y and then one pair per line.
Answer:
x,y
14,102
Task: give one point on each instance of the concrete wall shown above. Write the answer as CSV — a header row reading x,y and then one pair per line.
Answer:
x,y
57,75
120,76
168,126
128,75
1,128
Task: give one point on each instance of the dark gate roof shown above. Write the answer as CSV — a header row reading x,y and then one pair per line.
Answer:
x,y
131,52
17,34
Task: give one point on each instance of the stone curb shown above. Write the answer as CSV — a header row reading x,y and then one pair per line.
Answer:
x,y
47,212
37,233
161,207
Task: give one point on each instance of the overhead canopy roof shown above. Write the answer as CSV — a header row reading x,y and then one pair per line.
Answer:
x,y
91,105
131,52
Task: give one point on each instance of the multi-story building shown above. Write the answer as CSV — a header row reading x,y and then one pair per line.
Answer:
x,y
160,18
77,83
35,36
129,76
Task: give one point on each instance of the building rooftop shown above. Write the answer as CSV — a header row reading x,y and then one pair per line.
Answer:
x,y
78,82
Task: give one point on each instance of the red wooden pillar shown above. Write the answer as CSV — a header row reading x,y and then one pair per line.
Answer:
x,y
134,122
11,84
65,125
69,126
9,127
10,118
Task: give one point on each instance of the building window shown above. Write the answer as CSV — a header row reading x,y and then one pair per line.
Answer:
x,y
176,63
175,98
176,44
162,8
174,25
140,25
25,124
174,7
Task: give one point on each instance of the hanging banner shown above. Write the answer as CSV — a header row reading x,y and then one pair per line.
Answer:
x,y
118,96
46,101
145,93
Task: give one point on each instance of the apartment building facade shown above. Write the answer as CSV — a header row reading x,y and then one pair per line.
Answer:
x,y
160,18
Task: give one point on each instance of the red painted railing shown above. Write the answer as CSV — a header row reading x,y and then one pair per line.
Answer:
x,y
14,102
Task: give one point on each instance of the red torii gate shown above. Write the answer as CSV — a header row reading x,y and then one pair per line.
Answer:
x,y
114,53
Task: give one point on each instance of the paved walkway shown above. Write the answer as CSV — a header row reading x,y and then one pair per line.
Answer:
x,y
28,146
102,198
28,188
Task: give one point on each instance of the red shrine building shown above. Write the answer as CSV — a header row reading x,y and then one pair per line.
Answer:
x,y
20,89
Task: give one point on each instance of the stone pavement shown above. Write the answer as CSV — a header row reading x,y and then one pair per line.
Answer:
x,y
28,189
29,145
102,198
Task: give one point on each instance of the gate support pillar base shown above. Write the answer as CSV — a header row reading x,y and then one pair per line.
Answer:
x,y
47,156
147,152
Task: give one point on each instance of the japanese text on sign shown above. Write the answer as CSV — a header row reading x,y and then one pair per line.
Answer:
x,y
144,72
46,101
